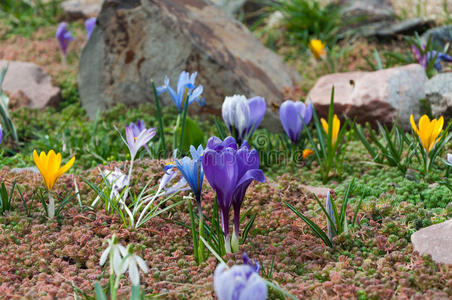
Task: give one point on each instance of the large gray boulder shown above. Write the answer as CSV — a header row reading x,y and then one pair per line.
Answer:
x,y
438,91
381,96
135,42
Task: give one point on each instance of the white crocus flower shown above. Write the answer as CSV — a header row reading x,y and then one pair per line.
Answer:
x,y
113,251
449,159
236,115
117,181
132,262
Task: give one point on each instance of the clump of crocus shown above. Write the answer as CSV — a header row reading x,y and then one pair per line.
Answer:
x,y
293,116
317,48
64,37
89,26
335,129
239,282
186,93
428,131
49,167
424,59
230,172
242,116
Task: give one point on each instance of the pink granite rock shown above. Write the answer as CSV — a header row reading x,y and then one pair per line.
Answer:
x,y
435,240
382,96
30,81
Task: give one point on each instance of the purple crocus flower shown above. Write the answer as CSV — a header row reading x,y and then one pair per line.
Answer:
x,y
229,172
248,170
424,59
1,134
249,262
242,116
240,282
137,129
133,142
89,25
64,36
290,114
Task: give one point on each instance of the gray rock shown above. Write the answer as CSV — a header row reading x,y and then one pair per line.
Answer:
x,y
382,96
81,9
368,11
135,42
388,30
440,36
31,82
436,241
438,91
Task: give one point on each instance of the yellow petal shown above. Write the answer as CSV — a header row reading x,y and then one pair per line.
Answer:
x,y
413,124
66,167
336,127
324,125
424,123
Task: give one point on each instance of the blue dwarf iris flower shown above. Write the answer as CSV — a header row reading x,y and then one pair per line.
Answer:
x,y
230,172
242,116
249,262
186,93
291,114
191,170
240,282
424,59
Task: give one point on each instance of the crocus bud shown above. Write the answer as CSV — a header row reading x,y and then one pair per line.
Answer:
x,y
64,37
236,115
291,114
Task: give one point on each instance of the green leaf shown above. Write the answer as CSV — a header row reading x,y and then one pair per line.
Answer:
x,y
247,228
319,232
100,295
193,135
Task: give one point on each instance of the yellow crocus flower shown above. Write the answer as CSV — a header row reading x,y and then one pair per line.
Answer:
x,y
336,127
49,166
317,48
428,131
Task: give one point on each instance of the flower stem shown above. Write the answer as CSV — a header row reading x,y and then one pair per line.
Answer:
x,y
200,245
175,132
51,207
193,232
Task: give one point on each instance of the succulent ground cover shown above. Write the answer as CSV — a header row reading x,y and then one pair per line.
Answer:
x,y
375,260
